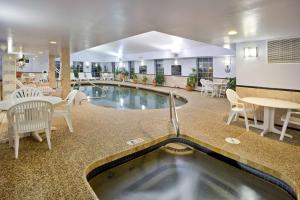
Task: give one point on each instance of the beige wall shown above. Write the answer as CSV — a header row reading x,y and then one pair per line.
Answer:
x,y
269,93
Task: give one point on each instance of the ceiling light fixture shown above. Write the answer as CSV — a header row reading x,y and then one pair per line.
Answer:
x,y
232,32
40,52
52,42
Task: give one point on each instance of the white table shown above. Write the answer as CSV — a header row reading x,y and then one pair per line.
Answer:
x,y
6,104
270,105
219,85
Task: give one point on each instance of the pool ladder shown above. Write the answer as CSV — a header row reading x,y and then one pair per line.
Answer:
x,y
173,114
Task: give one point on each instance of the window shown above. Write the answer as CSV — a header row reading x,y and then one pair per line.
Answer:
x,y
176,70
78,66
131,68
57,69
96,69
159,69
143,69
205,68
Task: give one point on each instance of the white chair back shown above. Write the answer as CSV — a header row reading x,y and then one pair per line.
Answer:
x,y
88,76
19,83
30,116
70,99
202,81
232,97
81,76
72,76
25,92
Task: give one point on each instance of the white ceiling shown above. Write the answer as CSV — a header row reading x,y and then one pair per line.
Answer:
x,y
147,42
150,45
86,24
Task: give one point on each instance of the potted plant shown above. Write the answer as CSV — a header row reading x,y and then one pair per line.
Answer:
x,y
191,80
134,78
123,73
144,80
98,70
154,83
231,83
159,79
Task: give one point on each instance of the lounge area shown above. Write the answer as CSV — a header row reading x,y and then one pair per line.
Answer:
x,y
150,114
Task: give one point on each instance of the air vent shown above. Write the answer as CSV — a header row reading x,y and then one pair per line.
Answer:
x,y
284,51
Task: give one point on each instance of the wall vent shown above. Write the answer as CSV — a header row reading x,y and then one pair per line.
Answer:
x,y
284,51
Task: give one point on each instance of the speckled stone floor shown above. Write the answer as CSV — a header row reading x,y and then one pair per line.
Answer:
x,y
100,135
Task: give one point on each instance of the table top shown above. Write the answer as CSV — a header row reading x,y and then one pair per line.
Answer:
x,y
6,104
272,103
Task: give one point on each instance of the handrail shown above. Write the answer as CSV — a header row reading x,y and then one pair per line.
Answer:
x,y
173,114
104,94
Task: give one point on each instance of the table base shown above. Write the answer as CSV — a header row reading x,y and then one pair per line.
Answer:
x,y
268,125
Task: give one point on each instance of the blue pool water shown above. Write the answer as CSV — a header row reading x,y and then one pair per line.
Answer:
x,y
127,97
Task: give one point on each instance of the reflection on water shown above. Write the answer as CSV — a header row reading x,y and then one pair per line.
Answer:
x,y
162,176
127,98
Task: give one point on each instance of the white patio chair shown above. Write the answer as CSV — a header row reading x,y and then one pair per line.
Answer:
x,y
222,91
89,76
44,78
110,76
44,88
30,116
291,117
72,76
209,88
65,110
81,76
105,76
25,92
202,81
237,108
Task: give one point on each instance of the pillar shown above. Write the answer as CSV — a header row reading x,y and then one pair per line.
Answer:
x,y
65,71
51,71
8,75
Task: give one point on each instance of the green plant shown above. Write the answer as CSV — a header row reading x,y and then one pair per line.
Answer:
x,y
192,78
75,71
144,79
98,70
134,77
160,79
122,71
231,83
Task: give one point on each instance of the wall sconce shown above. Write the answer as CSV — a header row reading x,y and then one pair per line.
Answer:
x,y
250,52
87,63
227,62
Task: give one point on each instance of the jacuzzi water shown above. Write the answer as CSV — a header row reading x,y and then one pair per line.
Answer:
x,y
127,97
159,175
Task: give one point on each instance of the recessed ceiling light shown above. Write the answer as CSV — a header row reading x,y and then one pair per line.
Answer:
x,y
40,52
52,42
232,32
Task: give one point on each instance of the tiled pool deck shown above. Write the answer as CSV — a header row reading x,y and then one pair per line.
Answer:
x,y
100,135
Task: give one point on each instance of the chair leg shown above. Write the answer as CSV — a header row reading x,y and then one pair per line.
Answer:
x,y
246,121
48,136
230,117
236,117
69,122
285,124
10,137
17,141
